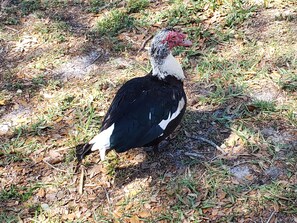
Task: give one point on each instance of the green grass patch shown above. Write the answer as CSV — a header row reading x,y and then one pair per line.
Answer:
x,y
252,139
20,193
29,6
239,13
8,218
279,193
225,64
181,14
15,10
265,106
113,23
137,5
288,80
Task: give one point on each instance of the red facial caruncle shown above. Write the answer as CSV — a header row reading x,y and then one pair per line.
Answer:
x,y
175,38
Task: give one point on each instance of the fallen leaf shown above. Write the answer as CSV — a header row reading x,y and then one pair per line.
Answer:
x,y
134,219
144,214
2,102
117,213
147,206
187,134
68,216
58,119
54,157
129,206
51,197
21,120
249,177
235,181
251,107
41,192
221,194
158,209
214,212
16,107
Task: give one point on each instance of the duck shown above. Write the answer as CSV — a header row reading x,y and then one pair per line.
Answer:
x,y
147,109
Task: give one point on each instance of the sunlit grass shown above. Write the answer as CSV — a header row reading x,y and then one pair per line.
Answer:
x,y
230,59
114,22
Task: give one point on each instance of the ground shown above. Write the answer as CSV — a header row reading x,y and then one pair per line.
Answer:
x,y
233,158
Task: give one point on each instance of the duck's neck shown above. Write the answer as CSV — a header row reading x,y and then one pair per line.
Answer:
x,y
168,65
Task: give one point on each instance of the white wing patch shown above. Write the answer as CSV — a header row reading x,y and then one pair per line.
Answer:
x,y
102,141
163,124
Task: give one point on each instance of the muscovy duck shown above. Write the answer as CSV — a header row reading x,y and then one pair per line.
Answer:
x,y
145,109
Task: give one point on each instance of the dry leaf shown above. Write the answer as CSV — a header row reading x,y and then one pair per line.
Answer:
x,y
187,134
221,194
235,181
68,216
214,212
134,219
251,108
159,209
41,192
21,120
144,214
58,119
129,206
54,157
249,177
147,206
117,213
2,102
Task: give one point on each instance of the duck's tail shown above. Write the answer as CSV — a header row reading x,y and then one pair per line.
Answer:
x,y
82,150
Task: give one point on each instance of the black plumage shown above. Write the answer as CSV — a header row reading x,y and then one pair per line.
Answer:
x,y
138,99
144,112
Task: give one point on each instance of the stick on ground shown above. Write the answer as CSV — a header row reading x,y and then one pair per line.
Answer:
x,y
54,166
209,142
81,181
145,42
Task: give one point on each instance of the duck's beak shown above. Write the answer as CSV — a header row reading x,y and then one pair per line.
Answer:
x,y
186,43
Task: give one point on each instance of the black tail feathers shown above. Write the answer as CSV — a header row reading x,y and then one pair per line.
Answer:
x,y
83,150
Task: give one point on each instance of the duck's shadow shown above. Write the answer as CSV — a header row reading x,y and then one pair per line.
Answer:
x,y
183,150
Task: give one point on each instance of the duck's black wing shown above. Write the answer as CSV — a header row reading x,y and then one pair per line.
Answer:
x,y
144,111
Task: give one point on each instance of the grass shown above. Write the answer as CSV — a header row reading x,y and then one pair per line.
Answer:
x,y
137,5
288,81
113,23
241,51
21,194
8,218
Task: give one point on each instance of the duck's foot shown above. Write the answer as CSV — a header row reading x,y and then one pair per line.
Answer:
x,y
157,148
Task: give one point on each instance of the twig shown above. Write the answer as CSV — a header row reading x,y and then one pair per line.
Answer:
x,y
64,171
145,42
94,60
107,196
62,148
270,217
209,142
243,162
15,30
280,197
81,181
193,154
